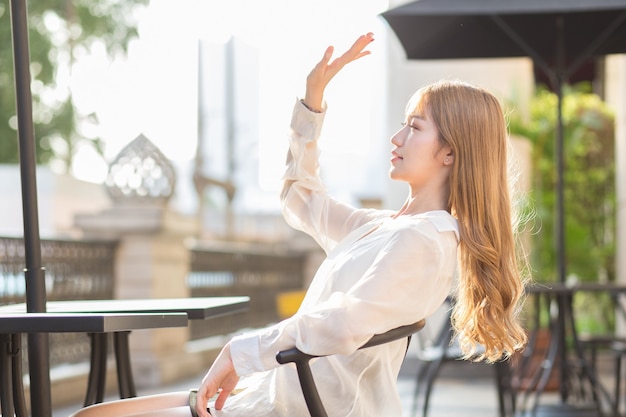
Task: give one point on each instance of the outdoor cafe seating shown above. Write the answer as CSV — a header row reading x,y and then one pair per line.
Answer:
x,y
99,318
533,382
570,358
437,347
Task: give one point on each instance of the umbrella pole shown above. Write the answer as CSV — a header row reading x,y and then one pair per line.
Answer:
x,y
560,232
560,168
557,80
38,348
560,164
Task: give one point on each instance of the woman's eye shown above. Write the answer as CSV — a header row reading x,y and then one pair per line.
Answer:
x,y
413,127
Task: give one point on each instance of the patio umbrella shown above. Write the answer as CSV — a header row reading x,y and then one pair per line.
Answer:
x,y
559,36
38,351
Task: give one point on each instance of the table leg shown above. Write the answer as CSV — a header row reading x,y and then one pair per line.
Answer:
x,y
540,379
506,396
589,371
563,302
97,369
550,361
618,382
18,384
125,380
525,375
6,390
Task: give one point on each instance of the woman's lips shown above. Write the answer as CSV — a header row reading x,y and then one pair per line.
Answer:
x,y
395,157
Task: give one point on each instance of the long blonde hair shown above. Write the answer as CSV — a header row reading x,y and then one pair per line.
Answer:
x,y
490,286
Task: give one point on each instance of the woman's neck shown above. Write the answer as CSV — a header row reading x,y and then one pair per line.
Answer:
x,y
418,203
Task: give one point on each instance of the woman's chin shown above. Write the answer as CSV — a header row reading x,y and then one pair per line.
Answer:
x,y
393,174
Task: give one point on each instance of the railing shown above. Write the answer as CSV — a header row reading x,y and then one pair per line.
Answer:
x,y
85,270
259,271
74,270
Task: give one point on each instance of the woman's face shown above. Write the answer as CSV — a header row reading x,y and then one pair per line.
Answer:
x,y
417,156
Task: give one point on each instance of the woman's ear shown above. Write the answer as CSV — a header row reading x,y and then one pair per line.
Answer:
x,y
448,159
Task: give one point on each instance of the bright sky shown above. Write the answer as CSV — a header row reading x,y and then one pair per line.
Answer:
x,y
154,90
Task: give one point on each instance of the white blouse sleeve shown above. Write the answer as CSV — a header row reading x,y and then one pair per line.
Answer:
x,y
306,205
408,280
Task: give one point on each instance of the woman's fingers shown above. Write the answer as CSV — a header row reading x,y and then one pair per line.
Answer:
x,y
356,51
202,400
228,384
328,54
221,379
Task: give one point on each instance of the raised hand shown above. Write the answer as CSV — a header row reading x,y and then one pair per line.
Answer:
x,y
325,70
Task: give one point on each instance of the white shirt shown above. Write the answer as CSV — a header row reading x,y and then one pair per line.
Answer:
x,y
380,273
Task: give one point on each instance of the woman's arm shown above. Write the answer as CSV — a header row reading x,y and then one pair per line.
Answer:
x,y
306,205
305,201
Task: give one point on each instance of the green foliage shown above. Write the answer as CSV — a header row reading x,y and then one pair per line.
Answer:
x,y
59,32
589,183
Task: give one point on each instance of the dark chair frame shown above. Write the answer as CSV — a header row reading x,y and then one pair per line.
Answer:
x,y
307,383
443,351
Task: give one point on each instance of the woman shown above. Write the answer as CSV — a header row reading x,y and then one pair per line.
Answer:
x,y
384,268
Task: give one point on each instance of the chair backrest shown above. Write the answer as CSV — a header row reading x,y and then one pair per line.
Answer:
x,y
436,334
438,340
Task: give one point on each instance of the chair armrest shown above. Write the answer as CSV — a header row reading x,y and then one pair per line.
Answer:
x,y
301,360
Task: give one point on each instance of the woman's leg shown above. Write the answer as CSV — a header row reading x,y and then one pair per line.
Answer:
x,y
173,404
166,412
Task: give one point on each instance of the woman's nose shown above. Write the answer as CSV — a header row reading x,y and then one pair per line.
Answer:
x,y
396,138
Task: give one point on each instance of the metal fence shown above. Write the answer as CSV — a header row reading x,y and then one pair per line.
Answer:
x,y
74,270
85,270
260,272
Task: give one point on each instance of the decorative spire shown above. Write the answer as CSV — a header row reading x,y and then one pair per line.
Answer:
x,y
141,174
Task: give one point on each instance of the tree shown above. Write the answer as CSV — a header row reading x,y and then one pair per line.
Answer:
x,y
59,32
589,183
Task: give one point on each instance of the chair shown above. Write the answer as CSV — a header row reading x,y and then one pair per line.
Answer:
x,y
442,348
307,383
301,360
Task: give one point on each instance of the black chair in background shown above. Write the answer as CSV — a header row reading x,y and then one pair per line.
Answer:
x,y
614,343
441,348
301,360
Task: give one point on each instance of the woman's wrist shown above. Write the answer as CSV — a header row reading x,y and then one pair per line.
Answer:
x,y
309,107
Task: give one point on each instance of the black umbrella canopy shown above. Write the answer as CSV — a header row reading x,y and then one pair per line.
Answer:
x,y
559,36
541,29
